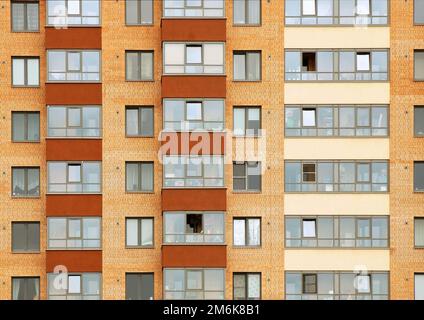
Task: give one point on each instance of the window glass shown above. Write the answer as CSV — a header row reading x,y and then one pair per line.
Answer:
x,y
419,176
239,232
362,61
363,6
292,8
239,67
132,232
347,61
292,61
194,54
254,231
18,69
419,121
309,228
293,283
419,232
27,288
419,65
308,116
419,285
308,7
239,121
74,284
419,11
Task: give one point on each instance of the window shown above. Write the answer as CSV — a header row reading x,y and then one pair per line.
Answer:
x,y
25,126
193,58
139,65
139,232
336,176
139,286
418,65
194,227
25,182
337,231
74,177
193,8
309,283
25,16
332,121
74,233
419,232
138,12
25,288
187,115
25,71
247,121
247,231
327,285
25,236
336,12
418,176
75,286
73,66
247,176
247,12
247,286
336,65
193,171
180,284
419,286
419,121
73,12
247,66
74,121
418,11
139,121
139,176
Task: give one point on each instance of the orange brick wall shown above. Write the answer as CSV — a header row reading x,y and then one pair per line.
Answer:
x,y
404,149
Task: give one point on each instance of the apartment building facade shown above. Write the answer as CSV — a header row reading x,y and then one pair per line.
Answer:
x,y
211,149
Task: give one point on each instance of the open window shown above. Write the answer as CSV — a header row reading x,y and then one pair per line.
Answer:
x,y
309,61
309,117
309,228
309,172
74,173
363,61
309,7
363,283
363,7
309,283
194,223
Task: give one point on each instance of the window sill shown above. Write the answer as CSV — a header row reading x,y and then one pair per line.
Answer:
x,y
74,138
26,252
140,247
247,191
336,248
72,82
25,31
250,25
147,80
31,87
73,193
26,197
334,25
338,81
28,141
336,137
248,81
337,192
247,247
73,26
139,24
247,136
140,192
131,137
74,249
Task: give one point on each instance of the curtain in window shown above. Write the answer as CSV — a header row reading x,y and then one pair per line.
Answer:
x,y
18,19
18,119
254,11
239,11
253,287
254,232
419,287
18,72
419,232
146,8
132,232
18,182
253,66
33,72
17,292
147,176
239,67
239,232
146,232
146,65
33,126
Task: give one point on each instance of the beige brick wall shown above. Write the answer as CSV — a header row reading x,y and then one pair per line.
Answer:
x,y
20,154
404,149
